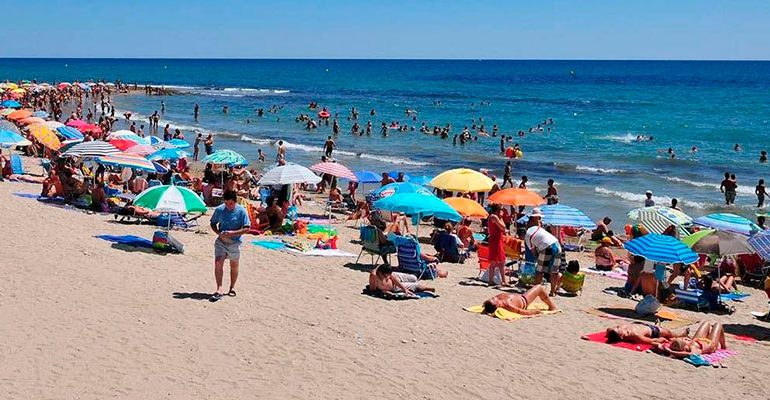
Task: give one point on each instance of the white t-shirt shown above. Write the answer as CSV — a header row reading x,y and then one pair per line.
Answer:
x,y
539,238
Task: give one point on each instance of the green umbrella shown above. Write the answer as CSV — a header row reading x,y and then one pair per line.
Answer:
x,y
170,198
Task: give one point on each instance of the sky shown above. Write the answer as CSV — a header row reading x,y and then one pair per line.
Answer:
x,y
481,29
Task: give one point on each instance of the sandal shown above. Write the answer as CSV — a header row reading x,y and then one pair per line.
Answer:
x,y
231,293
215,297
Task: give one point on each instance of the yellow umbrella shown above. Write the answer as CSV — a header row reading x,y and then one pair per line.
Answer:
x,y
467,207
19,91
462,180
11,85
45,136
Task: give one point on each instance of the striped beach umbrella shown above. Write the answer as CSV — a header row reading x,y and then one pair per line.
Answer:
x,y
122,144
67,132
728,222
398,188
96,148
166,154
127,161
657,219
335,169
45,136
226,157
140,150
8,138
462,180
661,248
760,242
170,198
289,174
561,215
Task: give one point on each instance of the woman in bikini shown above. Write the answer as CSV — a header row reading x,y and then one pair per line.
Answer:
x,y
641,332
709,338
518,303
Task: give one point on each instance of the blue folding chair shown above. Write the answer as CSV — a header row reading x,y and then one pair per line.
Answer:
x,y
16,166
409,260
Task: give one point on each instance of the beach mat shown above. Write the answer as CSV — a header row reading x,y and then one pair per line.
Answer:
x,y
270,245
733,296
397,296
714,359
609,274
321,252
506,315
601,337
128,240
668,318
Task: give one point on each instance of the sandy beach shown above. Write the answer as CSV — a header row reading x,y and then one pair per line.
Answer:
x,y
83,319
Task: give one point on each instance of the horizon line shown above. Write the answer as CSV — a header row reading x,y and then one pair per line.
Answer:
x,y
388,59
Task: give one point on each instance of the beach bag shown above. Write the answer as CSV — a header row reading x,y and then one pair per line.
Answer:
x,y
649,305
527,272
162,241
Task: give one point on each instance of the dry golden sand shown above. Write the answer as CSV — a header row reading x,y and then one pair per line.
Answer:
x,y
80,319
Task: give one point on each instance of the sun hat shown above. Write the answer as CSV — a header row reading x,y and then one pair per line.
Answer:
x,y
606,240
536,213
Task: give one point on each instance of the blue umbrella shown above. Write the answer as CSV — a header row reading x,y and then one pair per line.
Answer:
x,y
69,133
9,138
728,222
418,204
661,248
561,215
11,104
367,177
400,188
179,143
420,180
394,175
159,168
760,242
167,154
40,114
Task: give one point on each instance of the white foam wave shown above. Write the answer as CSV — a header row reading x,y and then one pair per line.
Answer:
x,y
627,138
660,200
600,170
744,190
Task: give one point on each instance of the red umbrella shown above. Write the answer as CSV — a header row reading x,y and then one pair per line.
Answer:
x,y
77,124
122,144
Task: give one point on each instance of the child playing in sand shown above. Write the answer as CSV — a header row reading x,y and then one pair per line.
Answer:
x,y
518,303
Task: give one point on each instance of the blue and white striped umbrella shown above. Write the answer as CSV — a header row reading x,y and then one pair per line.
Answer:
x,y
728,222
69,133
760,242
661,248
561,215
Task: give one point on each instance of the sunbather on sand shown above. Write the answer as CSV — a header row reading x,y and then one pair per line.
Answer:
x,y
709,338
641,332
518,303
383,278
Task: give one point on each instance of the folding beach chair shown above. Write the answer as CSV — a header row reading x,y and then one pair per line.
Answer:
x,y
753,268
692,298
409,260
16,165
374,242
448,250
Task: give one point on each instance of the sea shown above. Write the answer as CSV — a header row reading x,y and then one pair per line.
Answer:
x,y
598,108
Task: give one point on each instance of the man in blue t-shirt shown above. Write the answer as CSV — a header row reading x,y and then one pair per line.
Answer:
x,y
229,222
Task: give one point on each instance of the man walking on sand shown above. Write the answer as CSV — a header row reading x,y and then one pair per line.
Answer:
x,y
229,221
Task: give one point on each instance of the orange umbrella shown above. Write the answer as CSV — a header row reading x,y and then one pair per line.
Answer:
x,y
517,197
45,136
31,120
467,207
20,114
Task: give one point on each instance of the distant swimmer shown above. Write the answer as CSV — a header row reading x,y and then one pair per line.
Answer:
x,y
694,149
737,147
763,156
572,73
196,112
224,110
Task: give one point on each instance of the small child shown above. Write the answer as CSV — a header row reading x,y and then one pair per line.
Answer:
x,y
572,281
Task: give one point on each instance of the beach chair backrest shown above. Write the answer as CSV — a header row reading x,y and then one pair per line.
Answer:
x,y
369,238
446,244
16,166
408,253
694,297
483,253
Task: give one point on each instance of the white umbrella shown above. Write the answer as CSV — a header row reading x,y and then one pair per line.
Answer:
x,y
289,174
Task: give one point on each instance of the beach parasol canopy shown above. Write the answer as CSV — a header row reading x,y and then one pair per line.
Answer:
x,y
179,143
128,135
335,169
127,161
289,174
516,197
462,180
170,198
140,150
96,148
45,136
6,111
561,215
467,207
226,157
10,104
661,248
421,180
400,187
711,241
166,154
67,132
76,123
31,120
40,113
367,177
760,242
19,114
657,219
122,144
418,204
8,138
54,124
728,222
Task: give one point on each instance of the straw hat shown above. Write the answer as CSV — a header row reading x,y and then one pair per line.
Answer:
x,y
536,213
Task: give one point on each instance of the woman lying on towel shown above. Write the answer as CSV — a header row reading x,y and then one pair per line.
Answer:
x,y
383,278
709,338
518,303
641,332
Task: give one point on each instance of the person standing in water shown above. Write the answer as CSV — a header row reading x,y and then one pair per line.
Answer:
x,y
728,187
196,146
196,112
507,174
209,144
281,156
761,193
329,147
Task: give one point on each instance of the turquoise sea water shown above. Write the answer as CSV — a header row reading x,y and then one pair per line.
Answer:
x,y
599,108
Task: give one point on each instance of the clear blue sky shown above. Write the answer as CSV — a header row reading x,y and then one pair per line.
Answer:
x,y
511,29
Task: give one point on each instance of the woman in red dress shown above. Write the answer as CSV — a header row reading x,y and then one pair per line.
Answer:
x,y
496,228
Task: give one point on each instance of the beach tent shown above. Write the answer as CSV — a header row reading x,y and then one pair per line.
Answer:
x,y
462,180
334,169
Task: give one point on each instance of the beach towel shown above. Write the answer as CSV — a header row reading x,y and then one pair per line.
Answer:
x,y
397,296
321,252
506,315
128,240
270,245
26,195
713,359
733,296
620,275
601,337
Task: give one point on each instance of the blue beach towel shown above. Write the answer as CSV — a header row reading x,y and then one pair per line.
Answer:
x,y
128,240
734,296
26,195
268,244
16,166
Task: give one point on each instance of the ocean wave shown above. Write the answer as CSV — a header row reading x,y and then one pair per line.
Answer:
x,y
627,138
660,200
743,190
227,91
596,170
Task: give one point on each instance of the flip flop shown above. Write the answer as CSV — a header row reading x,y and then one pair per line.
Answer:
x,y
231,293
215,297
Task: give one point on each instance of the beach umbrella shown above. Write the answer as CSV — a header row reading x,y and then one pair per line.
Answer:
x,y
128,135
399,188
394,175
462,180
31,120
122,144
179,143
19,91
467,207
226,157
657,219
335,169
19,114
418,204
6,111
760,242
45,136
661,248
10,104
367,177
11,85
728,222
127,161
420,180
91,128
170,198
154,140
561,215
54,124
95,148
8,138
40,113
711,241
159,168
140,150
63,85
161,145
516,197
67,132
166,154
289,174
9,126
